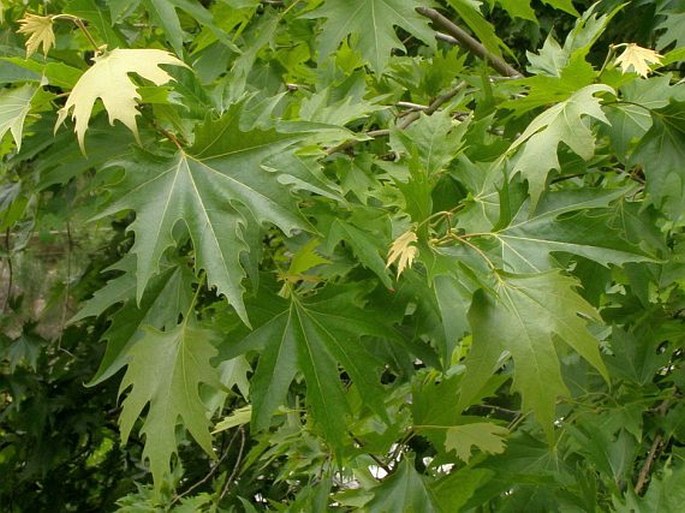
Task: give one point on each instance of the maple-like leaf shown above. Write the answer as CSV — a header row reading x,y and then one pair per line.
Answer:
x,y
39,30
405,491
486,436
638,59
561,123
530,240
109,80
524,319
167,296
165,370
14,107
403,251
661,152
313,338
372,24
217,192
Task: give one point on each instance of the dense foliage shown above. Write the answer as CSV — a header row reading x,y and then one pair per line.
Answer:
x,y
342,255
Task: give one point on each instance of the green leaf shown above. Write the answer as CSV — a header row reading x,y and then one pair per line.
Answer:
x,y
431,142
207,189
561,123
575,222
661,152
313,338
14,107
405,491
486,436
372,26
469,11
166,297
165,370
631,118
518,8
529,312
236,418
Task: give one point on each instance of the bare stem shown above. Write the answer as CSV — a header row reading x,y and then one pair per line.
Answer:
x,y
82,26
469,42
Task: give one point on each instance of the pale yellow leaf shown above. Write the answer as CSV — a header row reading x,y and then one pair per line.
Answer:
x,y
403,251
108,79
39,30
638,59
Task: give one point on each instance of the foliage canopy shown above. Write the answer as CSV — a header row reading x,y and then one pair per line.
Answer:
x,y
342,255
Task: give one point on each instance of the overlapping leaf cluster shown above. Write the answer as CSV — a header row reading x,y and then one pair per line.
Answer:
x,y
430,287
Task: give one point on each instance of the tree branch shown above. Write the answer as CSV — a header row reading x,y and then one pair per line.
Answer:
x,y
467,41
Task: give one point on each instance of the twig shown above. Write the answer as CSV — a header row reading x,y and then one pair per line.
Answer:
x,y
209,474
468,42
236,467
9,270
435,105
375,458
643,476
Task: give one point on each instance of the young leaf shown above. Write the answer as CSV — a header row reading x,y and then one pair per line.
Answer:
x,y
403,251
108,79
638,59
561,123
39,30
165,370
14,107
372,24
528,313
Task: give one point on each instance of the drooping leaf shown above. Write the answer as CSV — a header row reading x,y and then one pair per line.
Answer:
x,y
215,190
372,26
14,107
108,79
661,152
165,371
405,491
486,436
529,312
167,296
562,123
39,30
637,59
403,251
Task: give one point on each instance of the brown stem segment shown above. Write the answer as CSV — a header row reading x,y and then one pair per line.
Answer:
x,y
469,42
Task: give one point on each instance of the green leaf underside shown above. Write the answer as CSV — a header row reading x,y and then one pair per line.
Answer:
x,y
14,107
530,311
165,370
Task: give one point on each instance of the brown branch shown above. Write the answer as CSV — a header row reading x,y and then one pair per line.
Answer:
x,y
469,42
646,469
434,105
